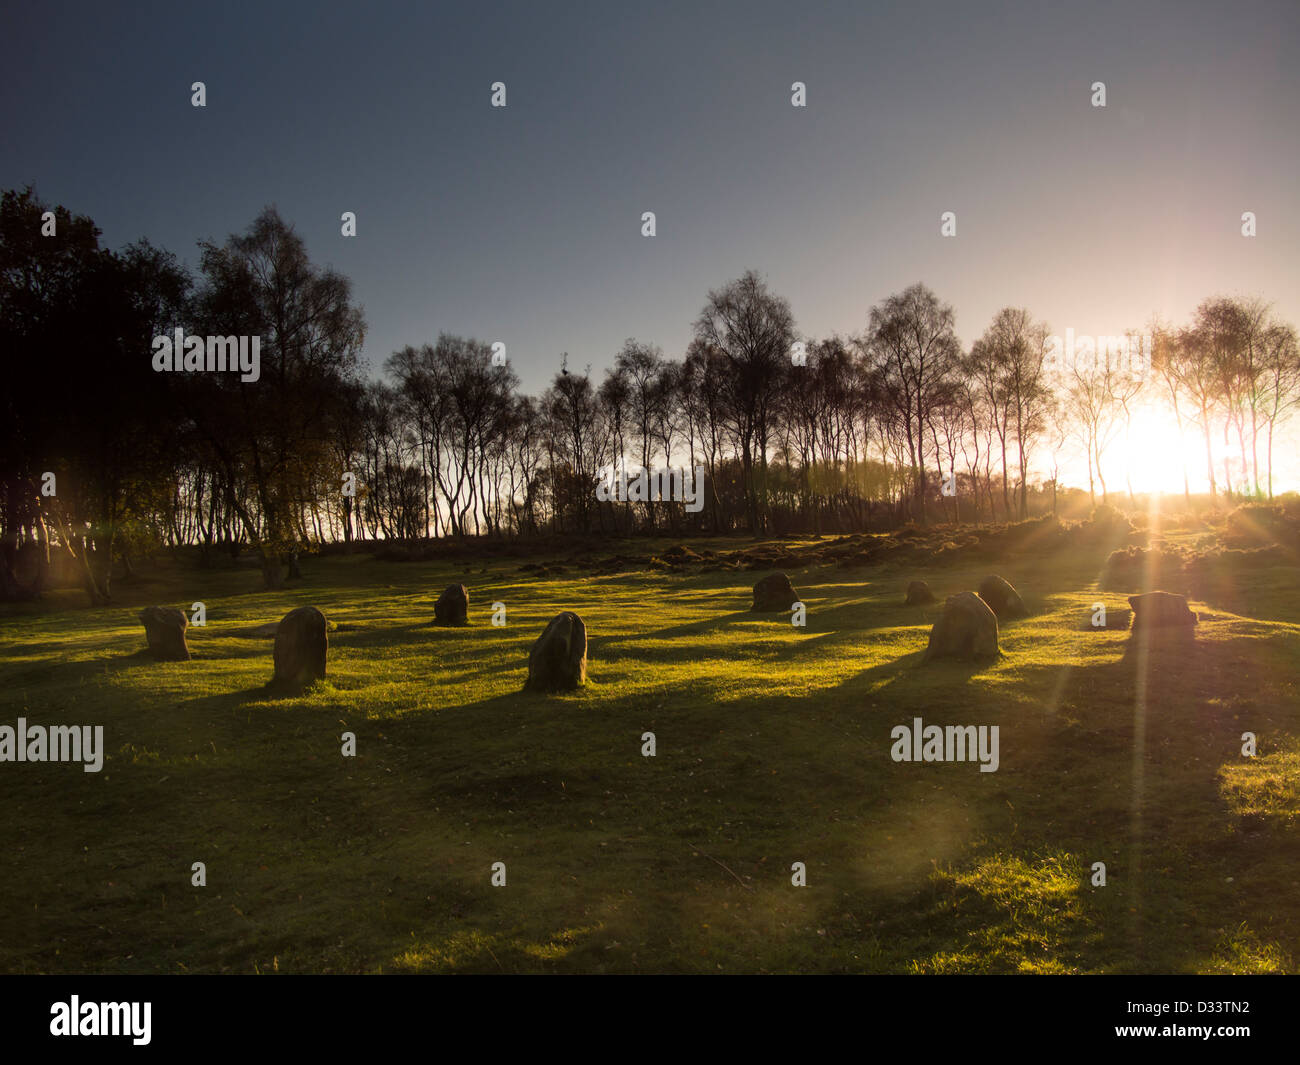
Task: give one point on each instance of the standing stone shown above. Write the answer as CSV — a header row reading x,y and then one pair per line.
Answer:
x,y
1004,600
1162,610
558,660
164,628
452,607
301,644
967,628
774,593
918,594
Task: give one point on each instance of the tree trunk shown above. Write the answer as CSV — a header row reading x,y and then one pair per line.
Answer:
x,y
272,571
1209,453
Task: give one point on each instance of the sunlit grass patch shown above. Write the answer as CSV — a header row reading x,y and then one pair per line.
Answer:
x,y
772,747
1266,787
1240,952
1020,914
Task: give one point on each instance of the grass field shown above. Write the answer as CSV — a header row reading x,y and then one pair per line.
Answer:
x,y
772,748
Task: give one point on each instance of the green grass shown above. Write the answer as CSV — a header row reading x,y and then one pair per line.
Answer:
x,y
773,747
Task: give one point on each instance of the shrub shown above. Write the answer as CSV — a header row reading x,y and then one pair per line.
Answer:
x,y
1144,567
1260,524
1108,517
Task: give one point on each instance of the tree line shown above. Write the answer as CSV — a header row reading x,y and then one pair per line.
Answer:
x,y
104,459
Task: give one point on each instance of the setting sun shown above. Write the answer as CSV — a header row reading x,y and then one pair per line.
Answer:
x,y
1155,455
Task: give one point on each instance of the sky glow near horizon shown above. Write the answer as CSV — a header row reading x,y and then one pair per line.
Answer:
x,y
522,224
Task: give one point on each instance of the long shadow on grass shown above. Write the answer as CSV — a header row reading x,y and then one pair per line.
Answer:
x,y
823,619
514,750
568,764
80,670
1159,819
693,628
543,762
949,674
262,693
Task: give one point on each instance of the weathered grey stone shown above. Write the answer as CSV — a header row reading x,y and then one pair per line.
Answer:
x,y
774,593
301,645
918,594
558,660
452,607
164,628
967,628
1002,599
1161,610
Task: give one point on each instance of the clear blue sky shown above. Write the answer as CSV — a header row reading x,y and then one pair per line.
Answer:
x,y
523,224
